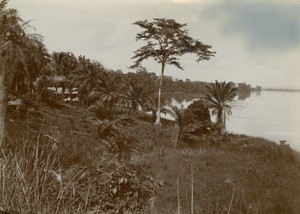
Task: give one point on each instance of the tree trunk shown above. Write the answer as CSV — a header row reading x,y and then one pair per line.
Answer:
x,y
159,93
3,100
220,120
224,123
63,90
71,94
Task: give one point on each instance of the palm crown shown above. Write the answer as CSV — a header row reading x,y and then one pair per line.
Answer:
x,y
219,96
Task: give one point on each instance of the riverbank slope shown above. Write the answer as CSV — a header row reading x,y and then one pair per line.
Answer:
x,y
236,172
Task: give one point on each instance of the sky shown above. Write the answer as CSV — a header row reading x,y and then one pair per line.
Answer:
x,y
256,41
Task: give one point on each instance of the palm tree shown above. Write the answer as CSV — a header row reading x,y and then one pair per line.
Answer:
x,y
110,90
12,47
219,96
151,105
178,115
22,54
134,97
37,61
107,95
64,63
114,134
88,76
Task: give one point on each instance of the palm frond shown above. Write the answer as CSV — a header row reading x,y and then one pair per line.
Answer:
x,y
219,97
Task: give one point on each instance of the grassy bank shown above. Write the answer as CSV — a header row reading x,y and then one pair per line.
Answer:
x,y
54,162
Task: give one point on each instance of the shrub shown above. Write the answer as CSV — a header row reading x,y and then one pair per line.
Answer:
x,y
116,136
198,111
118,188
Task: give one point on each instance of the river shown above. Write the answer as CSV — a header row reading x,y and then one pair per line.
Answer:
x,y
274,115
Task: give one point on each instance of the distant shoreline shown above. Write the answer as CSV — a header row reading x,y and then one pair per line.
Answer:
x,y
281,89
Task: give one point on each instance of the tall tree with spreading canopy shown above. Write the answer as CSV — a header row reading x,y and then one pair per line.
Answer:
x,y
166,41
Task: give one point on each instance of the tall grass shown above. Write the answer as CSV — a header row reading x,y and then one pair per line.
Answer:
x,y
192,190
230,178
178,196
32,181
57,164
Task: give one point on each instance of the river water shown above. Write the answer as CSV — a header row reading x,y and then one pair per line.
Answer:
x,y
273,115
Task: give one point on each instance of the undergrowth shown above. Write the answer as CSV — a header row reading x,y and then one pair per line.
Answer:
x,y
54,161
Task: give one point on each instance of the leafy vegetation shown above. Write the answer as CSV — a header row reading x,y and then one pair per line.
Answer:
x,y
178,115
79,137
23,54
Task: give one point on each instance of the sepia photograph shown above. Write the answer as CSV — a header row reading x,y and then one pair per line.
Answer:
x,y
149,106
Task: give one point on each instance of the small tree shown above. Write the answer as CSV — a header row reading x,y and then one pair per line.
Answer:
x,y
177,114
166,41
219,97
134,97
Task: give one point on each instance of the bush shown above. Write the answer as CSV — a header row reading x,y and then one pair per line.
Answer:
x,y
117,188
198,111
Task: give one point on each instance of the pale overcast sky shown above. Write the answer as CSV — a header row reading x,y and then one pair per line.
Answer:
x,y
257,41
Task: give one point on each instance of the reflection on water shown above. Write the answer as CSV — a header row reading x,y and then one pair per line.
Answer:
x,y
175,98
273,115
189,98
244,95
